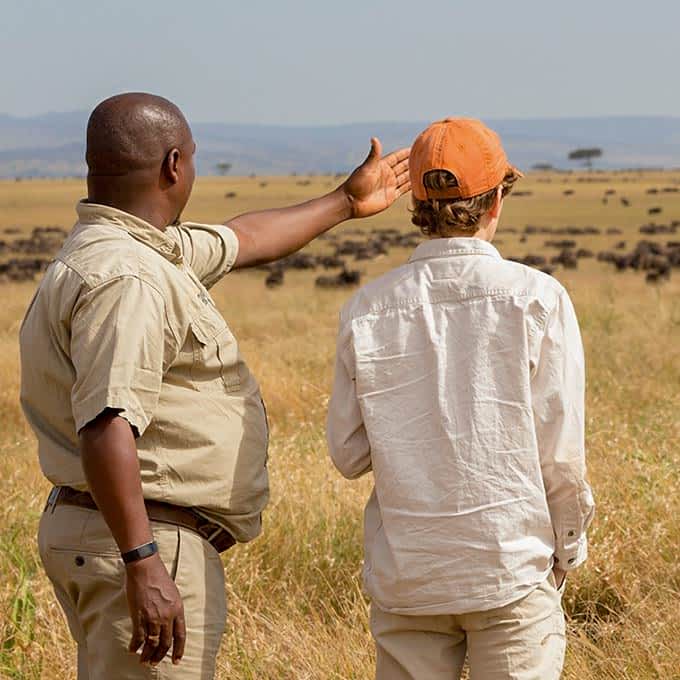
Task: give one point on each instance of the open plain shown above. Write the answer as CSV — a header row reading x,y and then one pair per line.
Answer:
x,y
296,608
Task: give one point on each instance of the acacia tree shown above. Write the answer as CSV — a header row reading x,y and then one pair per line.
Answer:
x,y
223,168
586,155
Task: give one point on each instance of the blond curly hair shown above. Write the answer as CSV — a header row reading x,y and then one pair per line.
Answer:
x,y
448,216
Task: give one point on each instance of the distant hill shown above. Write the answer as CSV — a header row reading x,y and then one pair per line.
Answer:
x,y
53,144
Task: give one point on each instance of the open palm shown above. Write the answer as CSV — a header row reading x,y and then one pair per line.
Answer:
x,y
378,182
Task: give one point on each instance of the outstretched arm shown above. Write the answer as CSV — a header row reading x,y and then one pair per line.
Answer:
x,y
268,235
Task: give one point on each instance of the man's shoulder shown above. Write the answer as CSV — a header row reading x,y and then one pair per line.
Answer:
x,y
540,291
101,253
380,293
199,241
533,281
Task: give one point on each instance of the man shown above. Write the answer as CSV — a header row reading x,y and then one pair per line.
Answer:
x,y
460,384
149,423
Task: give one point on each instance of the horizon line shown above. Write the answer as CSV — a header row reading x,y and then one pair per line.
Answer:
x,y
580,117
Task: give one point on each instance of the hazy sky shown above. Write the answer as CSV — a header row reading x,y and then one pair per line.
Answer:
x,y
318,62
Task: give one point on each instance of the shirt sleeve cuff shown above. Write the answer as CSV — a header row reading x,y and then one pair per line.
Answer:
x,y
124,402
573,554
231,248
231,244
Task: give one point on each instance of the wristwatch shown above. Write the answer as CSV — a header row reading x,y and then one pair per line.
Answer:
x,y
140,552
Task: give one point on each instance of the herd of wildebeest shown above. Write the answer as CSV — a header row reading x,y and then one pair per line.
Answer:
x,y
27,255
23,258
654,258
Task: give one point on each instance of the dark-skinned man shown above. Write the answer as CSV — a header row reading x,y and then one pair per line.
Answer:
x,y
149,423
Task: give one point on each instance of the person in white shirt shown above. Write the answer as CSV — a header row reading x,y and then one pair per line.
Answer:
x,y
460,384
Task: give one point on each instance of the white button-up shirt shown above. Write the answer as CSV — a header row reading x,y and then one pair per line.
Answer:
x,y
460,383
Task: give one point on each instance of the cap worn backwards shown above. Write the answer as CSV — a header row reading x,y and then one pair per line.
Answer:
x,y
466,148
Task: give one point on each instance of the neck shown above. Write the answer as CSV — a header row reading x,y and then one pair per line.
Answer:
x,y
485,233
136,202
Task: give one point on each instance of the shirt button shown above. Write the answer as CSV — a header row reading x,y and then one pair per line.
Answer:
x,y
80,560
571,533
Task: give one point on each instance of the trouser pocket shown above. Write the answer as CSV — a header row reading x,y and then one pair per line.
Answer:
x,y
82,561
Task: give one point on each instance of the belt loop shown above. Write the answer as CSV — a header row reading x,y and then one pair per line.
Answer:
x,y
52,499
214,535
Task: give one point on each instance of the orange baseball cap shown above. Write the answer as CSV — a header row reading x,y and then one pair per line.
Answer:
x,y
465,147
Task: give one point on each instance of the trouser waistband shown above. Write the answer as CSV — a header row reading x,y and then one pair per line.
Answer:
x,y
157,511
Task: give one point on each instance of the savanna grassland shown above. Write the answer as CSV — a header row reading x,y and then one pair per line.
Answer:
x,y
296,607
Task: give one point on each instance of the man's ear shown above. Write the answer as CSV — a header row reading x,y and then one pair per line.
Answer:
x,y
170,167
495,210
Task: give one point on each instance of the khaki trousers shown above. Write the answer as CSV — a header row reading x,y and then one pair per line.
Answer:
x,y
82,561
524,640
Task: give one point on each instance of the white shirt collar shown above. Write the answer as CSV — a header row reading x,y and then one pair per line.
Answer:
x,y
460,245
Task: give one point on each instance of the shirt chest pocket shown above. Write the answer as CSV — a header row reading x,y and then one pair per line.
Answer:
x,y
215,359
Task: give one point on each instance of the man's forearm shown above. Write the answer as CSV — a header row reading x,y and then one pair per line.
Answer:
x,y
109,459
372,187
268,235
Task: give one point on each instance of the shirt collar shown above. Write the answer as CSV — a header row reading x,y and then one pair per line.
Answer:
x,y
139,229
460,245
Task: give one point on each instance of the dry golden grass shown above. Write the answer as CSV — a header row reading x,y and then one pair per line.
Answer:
x,y
296,608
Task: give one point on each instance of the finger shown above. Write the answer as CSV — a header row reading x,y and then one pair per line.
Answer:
x,y
163,644
403,189
179,634
400,167
153,636
137,637
403,178
398,156
149,648
376,151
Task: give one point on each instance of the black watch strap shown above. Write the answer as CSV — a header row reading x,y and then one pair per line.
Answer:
x,y
140,552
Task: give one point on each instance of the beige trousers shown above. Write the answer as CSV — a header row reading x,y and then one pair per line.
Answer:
x,y
524,640
82,561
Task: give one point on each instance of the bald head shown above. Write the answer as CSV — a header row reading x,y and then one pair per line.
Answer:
x,y
132,132
140,157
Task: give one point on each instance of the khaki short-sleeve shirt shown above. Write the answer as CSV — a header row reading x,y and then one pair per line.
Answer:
x,y
123,320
